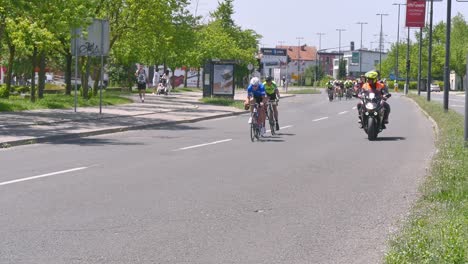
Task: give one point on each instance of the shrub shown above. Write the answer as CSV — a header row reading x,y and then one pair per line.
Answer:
x,y
4,93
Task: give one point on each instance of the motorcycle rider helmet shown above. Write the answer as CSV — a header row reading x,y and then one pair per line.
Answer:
x,y
269,79
254,81
371,75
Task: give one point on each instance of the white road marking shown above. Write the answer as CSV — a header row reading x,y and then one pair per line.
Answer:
x,y
319,119
285,127
42,176
355,107
206,144
344,112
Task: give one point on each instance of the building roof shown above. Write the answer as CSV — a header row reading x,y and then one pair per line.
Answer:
x,y
306,53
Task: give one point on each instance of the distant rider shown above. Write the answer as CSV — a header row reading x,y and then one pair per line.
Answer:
x,y
272,92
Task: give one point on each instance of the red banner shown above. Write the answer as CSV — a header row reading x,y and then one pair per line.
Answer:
x,y
415,13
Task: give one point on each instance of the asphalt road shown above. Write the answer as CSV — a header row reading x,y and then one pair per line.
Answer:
x,y
456,101
319,192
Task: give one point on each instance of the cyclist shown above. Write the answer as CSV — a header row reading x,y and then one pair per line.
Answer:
x,y
272,92
373,84
256,94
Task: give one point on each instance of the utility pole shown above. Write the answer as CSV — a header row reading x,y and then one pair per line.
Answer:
x,y
398,41
316,55
447,56
298,59
339,50
408,63
381,41
360,49
429,68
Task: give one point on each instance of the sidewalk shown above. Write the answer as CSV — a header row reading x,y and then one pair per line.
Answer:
x,y
40,126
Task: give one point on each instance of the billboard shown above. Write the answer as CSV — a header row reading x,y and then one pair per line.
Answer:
x,y
415,13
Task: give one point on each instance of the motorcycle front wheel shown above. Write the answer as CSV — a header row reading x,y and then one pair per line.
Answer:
x,y
372,129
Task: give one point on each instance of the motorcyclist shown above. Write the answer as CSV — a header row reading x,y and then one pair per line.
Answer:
x,y
272,92
378,88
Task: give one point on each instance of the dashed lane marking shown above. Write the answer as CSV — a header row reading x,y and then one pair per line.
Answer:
x,y
319,119
206,144
42,176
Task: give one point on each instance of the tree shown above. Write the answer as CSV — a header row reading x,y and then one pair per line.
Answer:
x,y
459,46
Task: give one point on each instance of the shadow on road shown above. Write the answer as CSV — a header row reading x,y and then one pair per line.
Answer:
x,y
285,134
390,138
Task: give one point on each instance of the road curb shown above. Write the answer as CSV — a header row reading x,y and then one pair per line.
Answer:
x,y
435,127
50,139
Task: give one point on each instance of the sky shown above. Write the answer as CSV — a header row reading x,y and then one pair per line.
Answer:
x,y
295,22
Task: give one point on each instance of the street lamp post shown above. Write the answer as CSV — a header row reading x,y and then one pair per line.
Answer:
x,y
381,41
316,55
339,50
398,41
429,69
298,57
360,49
447,56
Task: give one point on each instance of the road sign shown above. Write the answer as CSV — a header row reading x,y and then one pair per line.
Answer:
x,y
274,52
97,41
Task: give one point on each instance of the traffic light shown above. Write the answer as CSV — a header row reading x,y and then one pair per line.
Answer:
x,y
352,45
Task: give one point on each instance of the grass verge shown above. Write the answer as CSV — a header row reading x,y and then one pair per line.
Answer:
x,y
304,91
186,89
58,101
223,102
437,229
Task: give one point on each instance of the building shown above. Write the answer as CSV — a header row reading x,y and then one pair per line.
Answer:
x,y
301,58
370,60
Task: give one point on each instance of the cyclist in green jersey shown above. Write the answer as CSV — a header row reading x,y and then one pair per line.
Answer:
x,y
273,94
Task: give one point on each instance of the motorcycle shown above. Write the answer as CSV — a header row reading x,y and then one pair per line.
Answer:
x,y
372,113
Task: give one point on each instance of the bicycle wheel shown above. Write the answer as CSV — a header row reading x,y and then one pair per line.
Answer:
x,y
271,119
252,132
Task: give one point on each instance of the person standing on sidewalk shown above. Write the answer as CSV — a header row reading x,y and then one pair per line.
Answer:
x,y
142,78
165,81
155,79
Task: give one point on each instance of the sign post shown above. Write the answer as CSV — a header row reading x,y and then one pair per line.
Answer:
x,y
415,17
95,44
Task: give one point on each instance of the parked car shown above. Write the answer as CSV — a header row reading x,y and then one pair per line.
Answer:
x,y
435,88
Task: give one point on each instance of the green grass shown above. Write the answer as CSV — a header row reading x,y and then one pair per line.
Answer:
x,y
304,91
437,230
186,89
223,102
58,101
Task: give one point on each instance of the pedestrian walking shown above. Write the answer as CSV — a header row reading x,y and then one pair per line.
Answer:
x,y
142,78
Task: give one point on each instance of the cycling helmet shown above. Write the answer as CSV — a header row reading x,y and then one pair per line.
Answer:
x,y
371,75
269,79
254,81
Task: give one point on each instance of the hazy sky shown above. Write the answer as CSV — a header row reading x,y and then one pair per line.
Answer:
x,y
284,21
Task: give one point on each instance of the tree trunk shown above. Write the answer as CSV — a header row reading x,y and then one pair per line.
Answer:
x,y
198,77
185,78
41,84
33,76
68,73
85,78
9,74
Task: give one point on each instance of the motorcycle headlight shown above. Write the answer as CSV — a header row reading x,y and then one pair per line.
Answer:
x,y
370,106
371,96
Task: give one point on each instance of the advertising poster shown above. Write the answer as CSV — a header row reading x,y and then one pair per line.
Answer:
x,y
223,79
415,13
